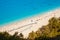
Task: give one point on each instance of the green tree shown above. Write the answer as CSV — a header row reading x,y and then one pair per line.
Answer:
x,y
32,35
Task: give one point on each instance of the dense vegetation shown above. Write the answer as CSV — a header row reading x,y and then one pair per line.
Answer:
x,y
51,31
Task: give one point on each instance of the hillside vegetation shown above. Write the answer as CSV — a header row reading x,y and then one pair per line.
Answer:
x,y
51,31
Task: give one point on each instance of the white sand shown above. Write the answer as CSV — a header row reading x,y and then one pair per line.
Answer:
x,y
30,24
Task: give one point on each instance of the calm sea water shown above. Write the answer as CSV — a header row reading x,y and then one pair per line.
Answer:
x,y
11,10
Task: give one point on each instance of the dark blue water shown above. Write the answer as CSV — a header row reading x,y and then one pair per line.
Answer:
x,y
11,10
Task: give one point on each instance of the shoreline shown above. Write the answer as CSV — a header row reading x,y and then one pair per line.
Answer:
x,y
30,23
22,19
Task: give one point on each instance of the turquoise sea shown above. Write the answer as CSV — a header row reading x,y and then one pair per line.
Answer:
x,y
11,10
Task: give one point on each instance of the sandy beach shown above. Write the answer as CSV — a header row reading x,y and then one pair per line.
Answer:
x,y
30,24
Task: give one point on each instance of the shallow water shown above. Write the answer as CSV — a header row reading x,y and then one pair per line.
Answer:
x,y
11,10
